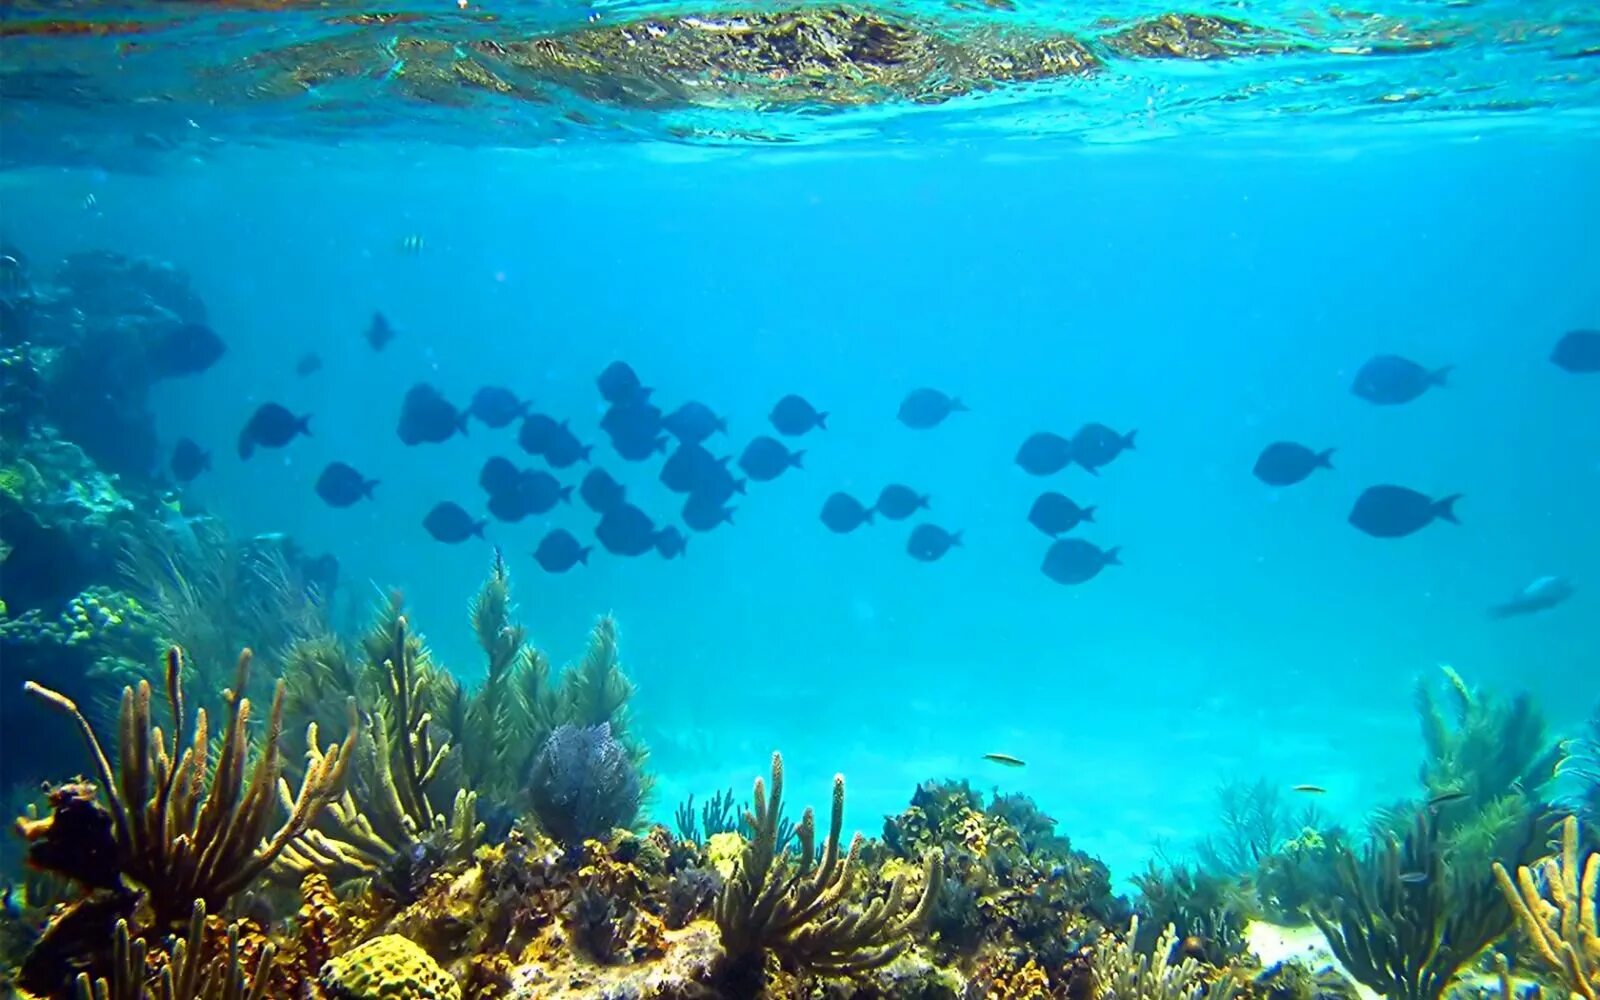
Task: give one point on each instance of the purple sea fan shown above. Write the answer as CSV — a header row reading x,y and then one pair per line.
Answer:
x,y
584,784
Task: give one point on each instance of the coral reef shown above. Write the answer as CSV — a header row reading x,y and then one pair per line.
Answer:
x,y
1555,907
388,966
1123,971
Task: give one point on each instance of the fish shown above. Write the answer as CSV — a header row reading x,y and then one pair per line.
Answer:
x,y
1540,595
271,426
693,423
1390,380
563,449
600,491
309,364
625,530
929,542
1413,878
843,513
559,551
1445,798
926,408
1578,352
90,201
449,523
632,418
766,458
188,460
187,349
340,485
412,244
793,416
704,512
536,433
499,475
496,406
1312,789
692,469
1095,445
1005,760
426,417
1395,511
542,492
638,449
379,332
671,543
510,505
1056,514
618,383
1072,561
1044,454
1284,463
898,502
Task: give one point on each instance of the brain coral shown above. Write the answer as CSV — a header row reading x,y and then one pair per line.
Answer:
x,y
388,968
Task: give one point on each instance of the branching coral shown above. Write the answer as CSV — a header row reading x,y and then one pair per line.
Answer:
x,y
187,975
1481,747
1123,971
795,906
1409,920
1560,919
1254,823
180,834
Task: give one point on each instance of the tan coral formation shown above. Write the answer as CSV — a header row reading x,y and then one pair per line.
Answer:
x,y
1560,919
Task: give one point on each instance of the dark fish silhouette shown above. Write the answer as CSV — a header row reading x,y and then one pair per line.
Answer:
x,y
618,383
1540,595
563,449
1578,352
1388,380
341,486
1095,445
510,505
897,502
691,468
671,543
601,492
1073,560
638,449
189,460
448,522
1044,454
793,416
426,417
497,406
499,475
271,426
929,542
1055,514
625,530
634,427
843,513
309,364
1395,511
542,491
693,423
379,332
1284,463
188,349
765,459
925,408
537,431
702,511
558,552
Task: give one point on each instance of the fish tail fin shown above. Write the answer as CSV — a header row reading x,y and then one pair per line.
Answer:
x,y
739,486
566,494
461,422
525,408
1088,513
1127,439
955,539
957,406
1091,470
367,488
1113,556
478,526
727,514
924,502
822,421
661,444
1325,458
1502,611
247,444
583,554
1445,509
1441,376
584,453
722,424
867,517
796,459
302,425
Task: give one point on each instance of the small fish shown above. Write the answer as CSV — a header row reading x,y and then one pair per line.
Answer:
x,y
929,542
189,460
450,523
898,502
1095,445
1395,511
497,406
426,417
537,431
926,408
1390,380
1044,454
1284,463
1445,798
563,449
499,476
625,530
558,552
601,492
412,244
1540,595
1578,352
1073,561
309,364
1005,760
342,486
618,383
1311,789
793,416
187,349
271,426
89,202
1413,878
541,491
693,469
843,513
704,512
766,458
693,423
379,332
1056,514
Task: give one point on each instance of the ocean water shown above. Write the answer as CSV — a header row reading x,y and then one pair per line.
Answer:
x,y
1133,249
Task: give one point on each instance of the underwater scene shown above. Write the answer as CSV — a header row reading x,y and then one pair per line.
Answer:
x,y
936,499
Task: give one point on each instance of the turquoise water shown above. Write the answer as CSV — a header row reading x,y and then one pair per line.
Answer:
x,y
1209,276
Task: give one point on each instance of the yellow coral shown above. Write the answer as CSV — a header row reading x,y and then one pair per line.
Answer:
x,y
388,968
723,850
1561,921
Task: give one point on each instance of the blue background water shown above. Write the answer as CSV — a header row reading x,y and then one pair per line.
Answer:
x,y
1216,295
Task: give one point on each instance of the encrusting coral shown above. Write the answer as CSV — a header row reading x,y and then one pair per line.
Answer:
x,y
1559,919
388,967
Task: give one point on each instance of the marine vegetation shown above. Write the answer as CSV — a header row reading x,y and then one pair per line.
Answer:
x,y
1555,905
1579,770
1124,971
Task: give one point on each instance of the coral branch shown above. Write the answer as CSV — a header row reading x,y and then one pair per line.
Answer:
x,y
1562,927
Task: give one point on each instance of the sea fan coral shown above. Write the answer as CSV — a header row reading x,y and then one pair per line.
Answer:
x,y
584,784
